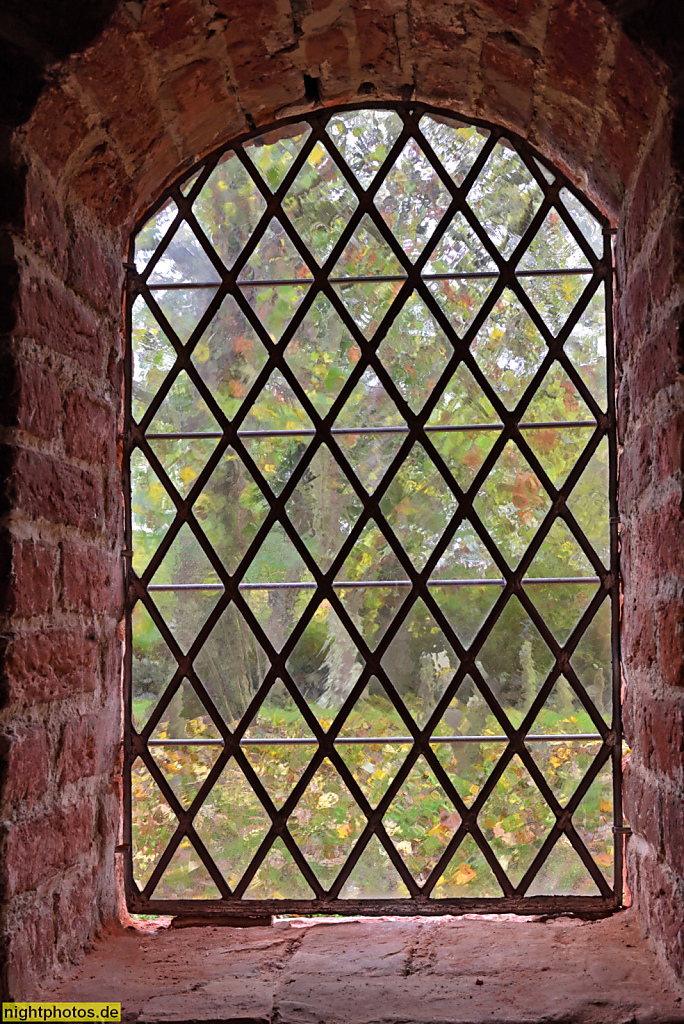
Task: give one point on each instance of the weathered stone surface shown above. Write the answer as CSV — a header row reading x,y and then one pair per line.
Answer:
x,y
494,970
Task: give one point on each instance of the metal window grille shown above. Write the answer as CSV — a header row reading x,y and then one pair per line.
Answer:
x,y
370,462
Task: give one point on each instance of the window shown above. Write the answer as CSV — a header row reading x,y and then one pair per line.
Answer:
x,y
370,473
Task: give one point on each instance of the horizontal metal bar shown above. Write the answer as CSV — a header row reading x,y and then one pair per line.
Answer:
x,y
360,584
282,282
303,741
355,431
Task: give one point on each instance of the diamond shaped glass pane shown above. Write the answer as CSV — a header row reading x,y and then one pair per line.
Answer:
x,y
563,874
505,197
322,354
186,877
421,820
185,612
147,240
466,558
228,208
468,875
420,662
186,768
277,409
319,203
277,608
323,508
326,823
372,606
560,555
154,823
367,254
587,223
460,251
466,608
183,460
153,666
514,661
367,304
231,665
509,349
561,605
561,714
274,258
152,511
374,714
183,410
374,876
278,877
274,153
278,765
370,409
516,820
232,823
559,444
586,347
230,509
457,145
512,503
229,356
373,765
588,502
415,351
564,764
461,300
153,357
593,821
462,404
183,309
554,297
418,505
592,661
364,138
325,664
412,199
553,247
184,261
185,717
275,306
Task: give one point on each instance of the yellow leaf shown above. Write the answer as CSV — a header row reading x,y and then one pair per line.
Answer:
x,y
606,806
464,874
604,859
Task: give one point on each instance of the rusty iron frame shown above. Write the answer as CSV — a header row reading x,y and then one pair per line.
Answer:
x,y
510,582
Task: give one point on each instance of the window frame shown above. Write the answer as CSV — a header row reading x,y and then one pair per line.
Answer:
x,y
612,741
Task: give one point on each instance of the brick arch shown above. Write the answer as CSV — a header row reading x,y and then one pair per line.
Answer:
x,y
164,84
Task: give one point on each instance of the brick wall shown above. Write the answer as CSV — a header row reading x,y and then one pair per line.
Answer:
x,y
165,83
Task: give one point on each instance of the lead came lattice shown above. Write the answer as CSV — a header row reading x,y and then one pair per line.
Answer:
x,y
372,650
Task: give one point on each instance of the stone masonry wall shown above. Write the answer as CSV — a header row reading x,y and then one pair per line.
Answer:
x,y
166,82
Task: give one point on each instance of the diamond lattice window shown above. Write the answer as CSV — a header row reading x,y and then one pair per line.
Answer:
x,y
370,462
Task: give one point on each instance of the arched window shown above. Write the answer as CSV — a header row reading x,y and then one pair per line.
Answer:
x,y
370,466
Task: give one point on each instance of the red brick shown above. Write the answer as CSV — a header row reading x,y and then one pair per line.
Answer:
x,y
634,91
516,13
30,949
376,39
204,108
45,227
643,806
635,307
115,73
437,27
508,77
57,129
42,487
616,160
327,55
86,748
37,401
664,271
672,831
442,80
575,40
671,643
28,767
42,849
95,273
89,429
638,635
658,365
91,579
635,466
31,583
166,25
55,318
103,186
653,182
670,446
51,664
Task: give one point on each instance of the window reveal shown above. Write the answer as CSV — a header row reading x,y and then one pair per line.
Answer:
x,y
370,471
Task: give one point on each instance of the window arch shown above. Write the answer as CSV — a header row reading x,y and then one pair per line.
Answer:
x,y
370,463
